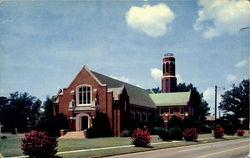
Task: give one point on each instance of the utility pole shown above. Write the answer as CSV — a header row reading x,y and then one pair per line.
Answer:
x,y
215,109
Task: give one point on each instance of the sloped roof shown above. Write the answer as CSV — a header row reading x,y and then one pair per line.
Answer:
x,y
137,95
171,99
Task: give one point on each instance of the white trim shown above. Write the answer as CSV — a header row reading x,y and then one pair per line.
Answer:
x,y
86,68
180,110
79,121
77,94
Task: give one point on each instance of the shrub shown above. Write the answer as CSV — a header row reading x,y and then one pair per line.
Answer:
x,y
218,132
229,129
126,133
91,133
175,122
141,137
164,135
240,132
101,125
157,130
37,144
190,134
175,133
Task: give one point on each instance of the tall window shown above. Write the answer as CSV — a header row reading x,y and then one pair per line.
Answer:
x,y
181,111
166,85
167,67
84,95
171,111
164,68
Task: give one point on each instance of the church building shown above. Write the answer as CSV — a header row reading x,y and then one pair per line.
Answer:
x,y
90,92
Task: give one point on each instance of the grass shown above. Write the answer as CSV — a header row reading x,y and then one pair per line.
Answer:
x,y
12,145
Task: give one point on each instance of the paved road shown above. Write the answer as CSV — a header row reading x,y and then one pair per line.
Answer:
x,y
226,149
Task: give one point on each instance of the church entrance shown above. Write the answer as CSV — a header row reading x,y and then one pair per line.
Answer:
x,y
84,123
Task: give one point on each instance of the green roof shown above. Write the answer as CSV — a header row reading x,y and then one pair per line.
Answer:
x,y
171,99
137,96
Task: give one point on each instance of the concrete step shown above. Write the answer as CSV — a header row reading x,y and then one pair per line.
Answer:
x,y
74,134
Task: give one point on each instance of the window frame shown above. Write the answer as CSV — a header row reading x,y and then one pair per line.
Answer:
x,y
183,111
78,94
170,111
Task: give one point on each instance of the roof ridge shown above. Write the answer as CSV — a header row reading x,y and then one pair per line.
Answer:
x,y
119,80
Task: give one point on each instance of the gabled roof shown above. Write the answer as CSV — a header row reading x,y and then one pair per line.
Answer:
x,y
137,95
171,99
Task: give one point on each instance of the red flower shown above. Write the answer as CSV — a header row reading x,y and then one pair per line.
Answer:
x,y
240,132
141,137
190,134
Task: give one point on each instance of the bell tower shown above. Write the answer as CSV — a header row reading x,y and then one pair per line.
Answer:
x,y
169,81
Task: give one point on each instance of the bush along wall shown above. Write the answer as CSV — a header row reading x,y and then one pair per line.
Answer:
x,y
175,133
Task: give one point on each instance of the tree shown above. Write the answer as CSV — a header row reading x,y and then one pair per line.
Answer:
x,y
20,111
48,107
156,90
201,106
235,102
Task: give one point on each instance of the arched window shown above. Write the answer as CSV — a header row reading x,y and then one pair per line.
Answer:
x,y
84,95
164,68
171,68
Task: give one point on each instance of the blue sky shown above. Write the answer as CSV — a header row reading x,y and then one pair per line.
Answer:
x,y
44,44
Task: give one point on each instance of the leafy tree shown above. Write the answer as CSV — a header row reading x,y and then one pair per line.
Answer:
x,y
20,111
155,120
201,106
235,102
175,122
156,90
48,107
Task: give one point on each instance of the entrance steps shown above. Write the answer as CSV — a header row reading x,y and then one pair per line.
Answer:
x,y
75,134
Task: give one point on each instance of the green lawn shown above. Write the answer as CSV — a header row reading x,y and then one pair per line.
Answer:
x,y
12,145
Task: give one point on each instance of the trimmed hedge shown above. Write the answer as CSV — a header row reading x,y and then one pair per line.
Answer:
x,y
164,135
175,133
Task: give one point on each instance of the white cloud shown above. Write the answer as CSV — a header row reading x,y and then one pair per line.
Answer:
x,y
241,64
209,97
209,94
218,17
122,78
156,73
231,78
179,78
152,20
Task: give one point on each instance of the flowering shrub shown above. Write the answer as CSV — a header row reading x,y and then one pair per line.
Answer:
x,y
240,132
218,132
37,144
141,137
190,134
